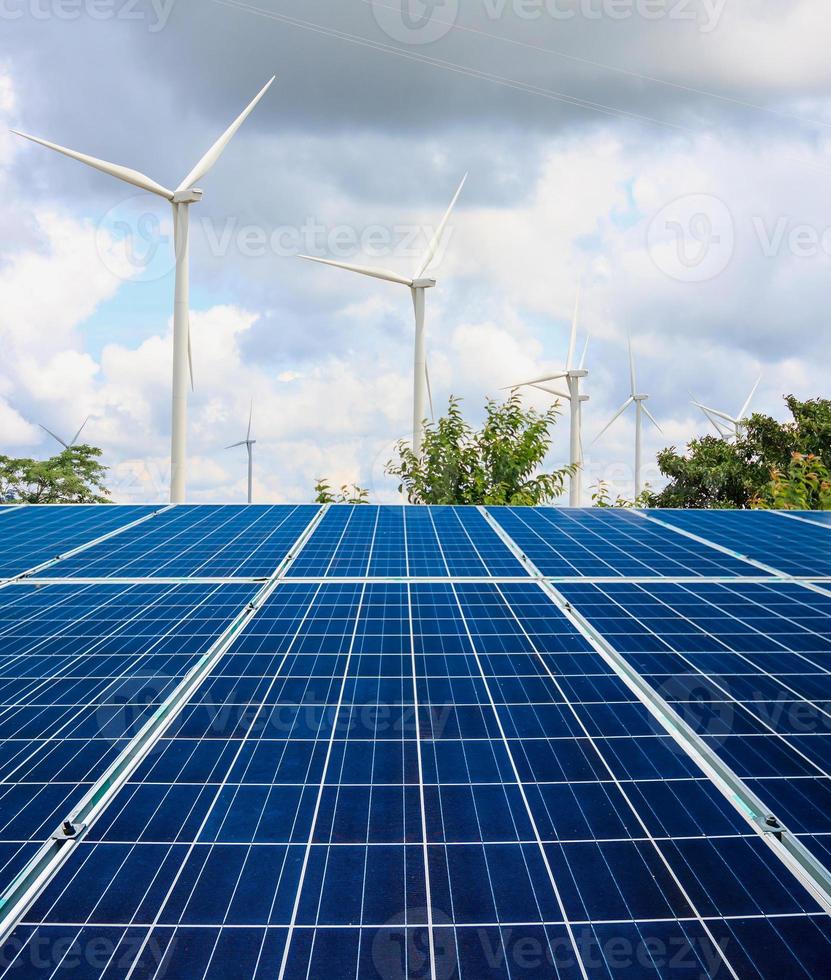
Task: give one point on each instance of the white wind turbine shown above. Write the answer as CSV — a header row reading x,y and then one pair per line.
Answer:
x,y
639,402
248,442
72,441
181,198
417,285
734,424
572,376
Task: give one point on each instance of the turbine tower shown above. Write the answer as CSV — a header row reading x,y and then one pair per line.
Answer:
x,y
573,376
734,424
248,442
73,440
181,199
418,285
639,402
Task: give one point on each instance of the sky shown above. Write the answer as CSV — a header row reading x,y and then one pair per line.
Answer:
x,y
669,158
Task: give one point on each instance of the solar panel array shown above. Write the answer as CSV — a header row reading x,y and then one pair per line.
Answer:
x,y
392,742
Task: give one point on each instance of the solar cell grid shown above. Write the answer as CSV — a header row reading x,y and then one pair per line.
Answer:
x,y
394,542
33,535
791,547
413,766
746,666
601,543
192,541
80,670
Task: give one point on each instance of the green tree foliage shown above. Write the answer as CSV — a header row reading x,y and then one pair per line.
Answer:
x,y
497,464
602,497
74,476
805,485
714,473
348,493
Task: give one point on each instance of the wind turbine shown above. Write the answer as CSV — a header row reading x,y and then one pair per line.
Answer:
x,y
248,442
418,286
735,423
181,199
572,376
639,402
73,440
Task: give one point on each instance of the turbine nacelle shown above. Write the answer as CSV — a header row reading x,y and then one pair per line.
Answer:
x,y
423,283
191,196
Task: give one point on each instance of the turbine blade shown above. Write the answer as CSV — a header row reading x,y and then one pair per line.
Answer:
x,y
250,417
190,358
215,152
583,356
721,415
235,444
651,417
614,418
56,438
75,437
362,270
429,391
744,408
572,340
539,381
632,378
552,391
435,241
705,412
133,177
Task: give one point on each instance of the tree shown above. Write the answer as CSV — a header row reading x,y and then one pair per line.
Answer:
x,y
497,464
348,493
717,474
806,485
602,497
73,476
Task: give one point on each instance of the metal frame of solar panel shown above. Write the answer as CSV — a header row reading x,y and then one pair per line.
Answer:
x,y
391,742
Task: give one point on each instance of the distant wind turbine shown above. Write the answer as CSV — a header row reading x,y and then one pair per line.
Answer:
x,y
73,440
417,285
639,402
181,198
248,442
572,376
734,424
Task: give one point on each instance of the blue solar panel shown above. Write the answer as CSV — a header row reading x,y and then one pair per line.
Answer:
x,y
378,773
394,542
608,542
32,535
81,667
384,778
791,547
746,666
192,541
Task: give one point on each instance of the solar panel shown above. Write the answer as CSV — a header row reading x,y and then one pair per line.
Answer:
x,y
610,542
416,757
397,542
32,535
746,666
791,547
195,541
81,667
